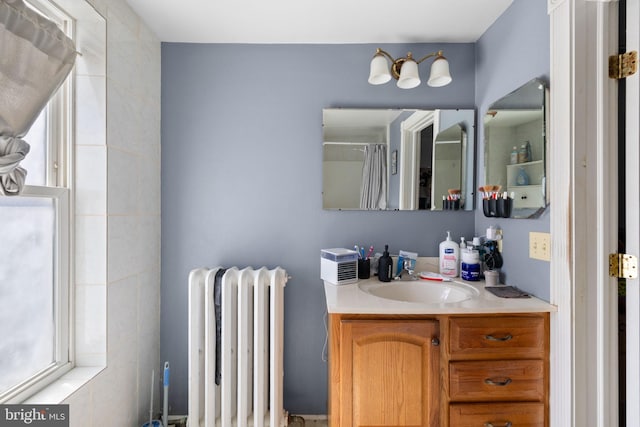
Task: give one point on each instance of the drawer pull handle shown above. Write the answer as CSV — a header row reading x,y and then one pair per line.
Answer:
x,y
500,383
507,337
489,424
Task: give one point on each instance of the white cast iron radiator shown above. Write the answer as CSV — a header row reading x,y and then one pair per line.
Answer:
x,y
250,353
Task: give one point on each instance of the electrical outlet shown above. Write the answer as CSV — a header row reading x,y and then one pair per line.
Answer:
x,y
540,246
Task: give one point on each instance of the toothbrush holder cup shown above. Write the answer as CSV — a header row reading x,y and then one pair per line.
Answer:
x,y
364,268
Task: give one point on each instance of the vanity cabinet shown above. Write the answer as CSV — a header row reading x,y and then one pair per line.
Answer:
x,y
440,370
384,372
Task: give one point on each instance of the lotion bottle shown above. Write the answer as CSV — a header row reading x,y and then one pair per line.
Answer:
x,y
449,257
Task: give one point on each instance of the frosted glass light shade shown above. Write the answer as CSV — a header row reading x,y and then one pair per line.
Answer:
x,y
439,73
409,77
379,72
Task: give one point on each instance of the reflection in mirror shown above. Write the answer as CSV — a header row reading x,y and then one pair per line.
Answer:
x,y
515,148
382,159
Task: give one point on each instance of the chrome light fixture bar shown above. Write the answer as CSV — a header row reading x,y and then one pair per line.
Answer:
x,y
405,70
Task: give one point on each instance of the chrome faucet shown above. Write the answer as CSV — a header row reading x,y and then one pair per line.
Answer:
x,y
407,266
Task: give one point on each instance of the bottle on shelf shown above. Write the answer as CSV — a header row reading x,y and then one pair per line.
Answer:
x,y
523,154
522,178
514,155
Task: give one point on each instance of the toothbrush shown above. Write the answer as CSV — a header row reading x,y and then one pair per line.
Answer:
x,y
370,252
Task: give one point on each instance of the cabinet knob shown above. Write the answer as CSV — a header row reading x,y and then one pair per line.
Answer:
x,y
490,424
507,337
435,341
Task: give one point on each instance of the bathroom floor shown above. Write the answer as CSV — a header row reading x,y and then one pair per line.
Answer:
x,y
296,422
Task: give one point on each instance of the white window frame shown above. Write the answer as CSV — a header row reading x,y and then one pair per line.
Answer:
x,y
59,161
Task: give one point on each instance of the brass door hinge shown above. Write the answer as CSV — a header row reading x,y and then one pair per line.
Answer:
x,y
623,65
623,266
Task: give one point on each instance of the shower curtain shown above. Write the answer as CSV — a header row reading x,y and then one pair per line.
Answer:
x,y
373,192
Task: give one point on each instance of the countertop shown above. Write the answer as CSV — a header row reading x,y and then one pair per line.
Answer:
x,y
351,299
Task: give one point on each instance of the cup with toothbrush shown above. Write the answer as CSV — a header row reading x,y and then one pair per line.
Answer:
x,y
364,262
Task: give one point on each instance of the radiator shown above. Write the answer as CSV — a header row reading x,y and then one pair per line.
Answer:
x,y
251,354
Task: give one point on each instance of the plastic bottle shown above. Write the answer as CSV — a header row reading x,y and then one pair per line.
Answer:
x,y
523,154
529,154
385,264
449,257
463,247
470,265
514,155
522,178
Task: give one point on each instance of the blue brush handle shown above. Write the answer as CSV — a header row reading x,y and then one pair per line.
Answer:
x,y
166,374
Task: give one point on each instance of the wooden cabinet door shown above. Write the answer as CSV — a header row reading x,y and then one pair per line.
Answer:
x,y
389,373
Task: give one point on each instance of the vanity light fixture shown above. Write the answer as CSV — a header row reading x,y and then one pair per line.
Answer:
x,y
405,70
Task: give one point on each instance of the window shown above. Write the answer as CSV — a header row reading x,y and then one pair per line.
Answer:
x,y
35,253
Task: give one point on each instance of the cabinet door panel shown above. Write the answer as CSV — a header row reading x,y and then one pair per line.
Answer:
x,y
514,380
497,415
506,337
390,370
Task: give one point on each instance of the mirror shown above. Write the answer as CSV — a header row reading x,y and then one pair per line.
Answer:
x,y
515,149
397,159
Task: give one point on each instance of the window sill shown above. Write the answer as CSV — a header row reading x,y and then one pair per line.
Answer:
x,y
65,386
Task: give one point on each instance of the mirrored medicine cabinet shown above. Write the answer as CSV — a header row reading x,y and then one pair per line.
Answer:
x,y
398,159
515,148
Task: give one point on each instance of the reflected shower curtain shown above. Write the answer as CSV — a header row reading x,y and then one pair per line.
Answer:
x,y
373,192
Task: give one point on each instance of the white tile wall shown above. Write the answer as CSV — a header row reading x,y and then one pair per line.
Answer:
x,y
124,187
91,327
91,180
90,95
91,249
117,190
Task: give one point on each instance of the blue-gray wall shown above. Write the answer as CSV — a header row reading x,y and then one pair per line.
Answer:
x,y
241,173
241,181
510,53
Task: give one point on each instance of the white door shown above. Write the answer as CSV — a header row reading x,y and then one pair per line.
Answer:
x,y
632,196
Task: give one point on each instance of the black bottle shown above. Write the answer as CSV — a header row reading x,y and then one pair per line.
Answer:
x,y
385,264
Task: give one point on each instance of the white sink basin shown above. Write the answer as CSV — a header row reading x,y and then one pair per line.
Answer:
x,y
420,291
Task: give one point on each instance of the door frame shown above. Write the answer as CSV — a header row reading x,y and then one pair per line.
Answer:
x,y
583,219
632,226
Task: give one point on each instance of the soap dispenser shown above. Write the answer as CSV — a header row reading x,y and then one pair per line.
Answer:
x,y
385,264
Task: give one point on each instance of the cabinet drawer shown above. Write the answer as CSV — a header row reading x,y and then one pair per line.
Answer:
x,y
504,337
507,380
497,415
